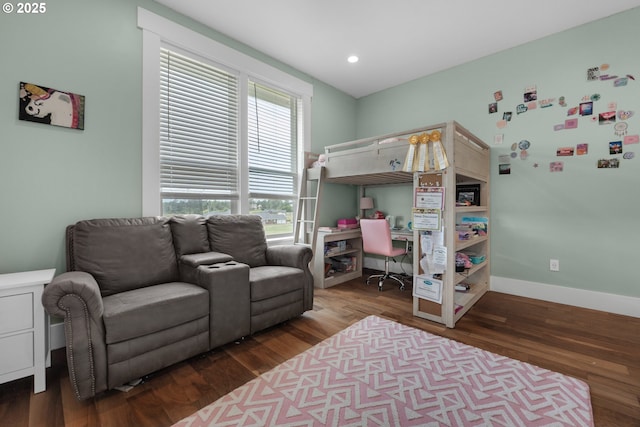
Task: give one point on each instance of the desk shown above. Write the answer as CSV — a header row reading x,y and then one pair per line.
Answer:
x,y
403,234
352,239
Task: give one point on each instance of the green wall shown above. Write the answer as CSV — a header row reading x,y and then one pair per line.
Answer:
x,y
583,216
53,176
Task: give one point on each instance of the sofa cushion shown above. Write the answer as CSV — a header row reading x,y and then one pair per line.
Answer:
x,y
241,236
140,312
124,254
189,234
271,281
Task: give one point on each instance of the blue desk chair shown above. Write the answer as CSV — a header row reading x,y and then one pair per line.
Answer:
x,y
376,239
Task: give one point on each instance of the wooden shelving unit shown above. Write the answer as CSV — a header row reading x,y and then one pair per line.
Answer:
x,y
468,158
353,240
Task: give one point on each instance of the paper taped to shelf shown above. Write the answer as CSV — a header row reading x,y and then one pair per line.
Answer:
x,y
427,288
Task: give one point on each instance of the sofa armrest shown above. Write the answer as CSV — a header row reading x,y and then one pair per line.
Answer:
x,y
229,300
188,264
297,256
204,258
75,296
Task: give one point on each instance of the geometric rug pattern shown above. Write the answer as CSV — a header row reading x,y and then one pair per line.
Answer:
x,y
381,373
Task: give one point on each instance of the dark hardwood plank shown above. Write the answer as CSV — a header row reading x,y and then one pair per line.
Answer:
x,y
600,348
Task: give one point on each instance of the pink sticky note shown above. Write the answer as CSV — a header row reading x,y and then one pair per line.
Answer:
x,y
631,139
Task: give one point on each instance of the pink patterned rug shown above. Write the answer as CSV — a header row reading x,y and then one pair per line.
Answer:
x,y
379,372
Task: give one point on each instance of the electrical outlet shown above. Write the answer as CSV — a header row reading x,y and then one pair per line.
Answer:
x,y
409,247
554,265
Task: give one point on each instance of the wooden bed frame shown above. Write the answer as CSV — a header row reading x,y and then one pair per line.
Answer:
x,y
380,159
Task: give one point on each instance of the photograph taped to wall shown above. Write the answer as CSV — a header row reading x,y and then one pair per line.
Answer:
x,y
530,94
593,73
556,166
608,163
615,147
586,108
50,106
565,151
607,118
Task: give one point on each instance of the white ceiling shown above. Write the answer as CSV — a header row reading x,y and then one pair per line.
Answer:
x,y
397,40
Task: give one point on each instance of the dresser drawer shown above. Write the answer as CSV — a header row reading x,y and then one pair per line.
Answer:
x,y
16,312
17,352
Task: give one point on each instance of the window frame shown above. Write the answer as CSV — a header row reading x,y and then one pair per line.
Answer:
x,y
158,31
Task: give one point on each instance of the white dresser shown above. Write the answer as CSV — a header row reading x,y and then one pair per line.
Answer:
x,y
24,327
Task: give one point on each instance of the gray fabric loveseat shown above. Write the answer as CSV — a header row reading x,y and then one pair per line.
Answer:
x,y
141,294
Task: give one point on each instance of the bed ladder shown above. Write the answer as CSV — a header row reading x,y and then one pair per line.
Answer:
x,y
306,227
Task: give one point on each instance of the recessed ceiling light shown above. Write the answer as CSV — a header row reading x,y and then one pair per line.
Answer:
x,y
353,59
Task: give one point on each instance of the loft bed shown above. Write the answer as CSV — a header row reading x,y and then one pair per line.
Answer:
x,y
380,160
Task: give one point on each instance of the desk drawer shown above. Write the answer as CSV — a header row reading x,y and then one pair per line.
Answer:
x,y
17,352
16,312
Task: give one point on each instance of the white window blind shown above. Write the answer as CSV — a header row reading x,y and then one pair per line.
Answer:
x,y
272,130
206,167
198,129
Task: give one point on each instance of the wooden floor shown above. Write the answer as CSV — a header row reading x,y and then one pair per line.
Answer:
x,y
602,349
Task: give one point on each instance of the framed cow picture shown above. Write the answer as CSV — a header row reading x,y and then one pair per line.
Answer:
x,y
50,106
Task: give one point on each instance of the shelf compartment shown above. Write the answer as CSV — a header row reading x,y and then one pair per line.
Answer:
x,y
347,252
459,277
463,244
337,278
471,209
467,299
353,240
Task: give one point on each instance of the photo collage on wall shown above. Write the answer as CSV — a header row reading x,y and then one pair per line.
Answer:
x,y
589,109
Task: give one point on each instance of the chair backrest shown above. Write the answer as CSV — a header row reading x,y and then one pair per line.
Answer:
x,y
123,254
376,237
241,236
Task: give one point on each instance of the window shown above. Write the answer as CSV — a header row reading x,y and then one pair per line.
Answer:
x,y
273,165
222,132
198,136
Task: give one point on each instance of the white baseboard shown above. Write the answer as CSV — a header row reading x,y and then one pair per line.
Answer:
x,y
612,303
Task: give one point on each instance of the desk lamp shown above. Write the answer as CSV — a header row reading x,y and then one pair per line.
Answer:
x,y
365,203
